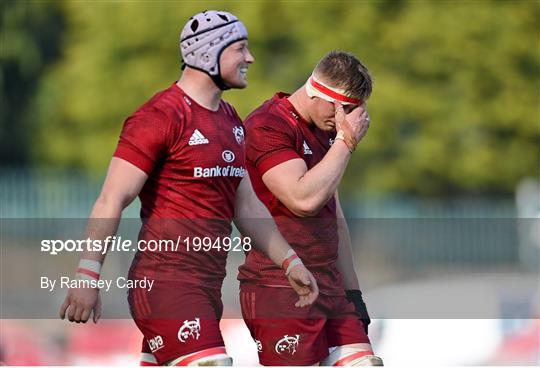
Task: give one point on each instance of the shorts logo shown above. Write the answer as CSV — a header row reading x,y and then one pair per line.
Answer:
x,y
259,346
197,138
238,134
227,156
288,344
155,343
307,150
190,329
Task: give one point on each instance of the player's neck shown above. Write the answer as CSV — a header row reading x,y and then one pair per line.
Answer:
x,y
200,87
299,100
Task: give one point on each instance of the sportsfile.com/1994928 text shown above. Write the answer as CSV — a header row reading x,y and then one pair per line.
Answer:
x,y
118,244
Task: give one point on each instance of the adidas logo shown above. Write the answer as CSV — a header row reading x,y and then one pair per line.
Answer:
x,y
197,138
307,150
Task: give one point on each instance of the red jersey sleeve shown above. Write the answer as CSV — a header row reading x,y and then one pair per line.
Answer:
x,y
145,139
270,142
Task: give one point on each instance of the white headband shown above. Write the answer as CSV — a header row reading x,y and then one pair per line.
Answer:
x,y
316,88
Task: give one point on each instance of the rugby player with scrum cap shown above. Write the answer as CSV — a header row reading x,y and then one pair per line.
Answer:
x,y
183,154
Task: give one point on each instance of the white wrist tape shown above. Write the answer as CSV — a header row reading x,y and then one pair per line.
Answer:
x,y
341,136
89,269
291,260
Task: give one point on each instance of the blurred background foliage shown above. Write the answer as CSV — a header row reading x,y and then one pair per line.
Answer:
x,y
430,193
455,108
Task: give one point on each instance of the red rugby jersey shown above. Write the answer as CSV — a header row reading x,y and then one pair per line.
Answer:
x,y
194,158
277,133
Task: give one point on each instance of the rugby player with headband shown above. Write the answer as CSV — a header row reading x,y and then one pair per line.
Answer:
x,y
298,147
183,154
316,88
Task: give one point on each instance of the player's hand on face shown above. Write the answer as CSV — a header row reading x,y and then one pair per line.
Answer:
x,y
80,303
354,123
303,282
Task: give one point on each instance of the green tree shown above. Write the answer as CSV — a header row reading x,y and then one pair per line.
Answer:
x,y
454,108
29,41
